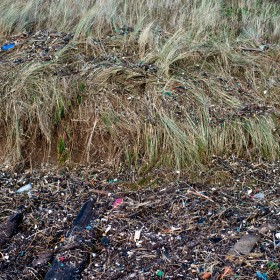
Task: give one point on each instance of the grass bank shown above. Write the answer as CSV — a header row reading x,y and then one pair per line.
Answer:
x,y
140,84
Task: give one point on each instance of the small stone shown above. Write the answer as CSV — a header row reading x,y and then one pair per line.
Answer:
x,y
105,241
244,245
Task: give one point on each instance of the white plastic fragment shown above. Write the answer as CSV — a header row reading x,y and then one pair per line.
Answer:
x,y
137,234
259,195
174,228
108,229
25,188
277,235
249,191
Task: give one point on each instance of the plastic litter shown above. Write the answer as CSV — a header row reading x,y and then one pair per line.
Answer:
x,y
261,276
259,196
7,47
165,253
201,220
117,202
137,234
25,188
206,275
61,259
262,248
113,180
168,93
277,235
227,271
272,265
159,273
108,229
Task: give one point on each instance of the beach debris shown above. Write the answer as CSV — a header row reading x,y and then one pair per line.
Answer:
x,y
159,273
261,276
84,216
117,202
201,220
42,259
105,241
215,239
108,229
75,244
245,245
25,188
206,275
227,271
258,195
137,235
9,228
7,47
272,265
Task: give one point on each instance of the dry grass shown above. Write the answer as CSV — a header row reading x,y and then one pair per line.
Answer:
x,y
181,86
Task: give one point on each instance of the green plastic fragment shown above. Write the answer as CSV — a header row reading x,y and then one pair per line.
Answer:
x,y
159,273
167,93
272,265
113,181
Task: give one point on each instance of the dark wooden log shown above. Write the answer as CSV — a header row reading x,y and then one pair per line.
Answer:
x,y
74,253
9,228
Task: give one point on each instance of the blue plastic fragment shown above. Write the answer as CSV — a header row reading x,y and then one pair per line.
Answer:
x,y
88,227
6,47
201,220
261,276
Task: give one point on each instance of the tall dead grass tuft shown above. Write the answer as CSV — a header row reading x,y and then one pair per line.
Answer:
x,y
144,83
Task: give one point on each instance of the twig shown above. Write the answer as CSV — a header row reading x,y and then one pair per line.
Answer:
x,y
90,140
201,195
250,49
100,192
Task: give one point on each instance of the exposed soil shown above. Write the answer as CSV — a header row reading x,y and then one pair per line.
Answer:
x,y
162,226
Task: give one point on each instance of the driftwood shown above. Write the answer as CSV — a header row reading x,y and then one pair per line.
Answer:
x,y
73,254
245,245
9,228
